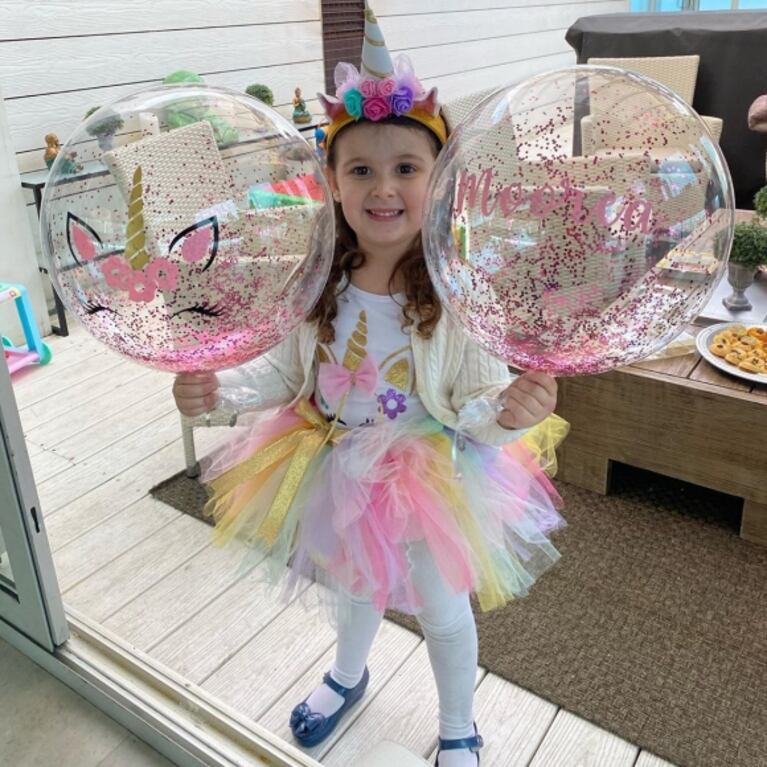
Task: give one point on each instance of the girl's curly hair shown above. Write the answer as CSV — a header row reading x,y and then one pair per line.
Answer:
x,y
421,308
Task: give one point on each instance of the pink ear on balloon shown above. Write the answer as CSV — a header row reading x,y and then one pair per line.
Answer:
x,y
82,240
198,242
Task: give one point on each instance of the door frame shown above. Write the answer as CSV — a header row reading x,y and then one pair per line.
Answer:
x,y
175,717
32,604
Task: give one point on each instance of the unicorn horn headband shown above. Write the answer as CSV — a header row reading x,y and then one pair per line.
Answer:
x,y
382,88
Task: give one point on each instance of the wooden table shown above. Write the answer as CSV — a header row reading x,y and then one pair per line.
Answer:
x,y
678,416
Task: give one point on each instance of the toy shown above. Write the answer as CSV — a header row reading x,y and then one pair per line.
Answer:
x,y
320,136
52,147
300,113
36,351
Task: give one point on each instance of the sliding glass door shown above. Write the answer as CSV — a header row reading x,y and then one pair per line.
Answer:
x,y
30,601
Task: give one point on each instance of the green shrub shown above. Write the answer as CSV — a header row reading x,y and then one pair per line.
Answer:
x,y
749,246
760,202
262,93
182,76
109,124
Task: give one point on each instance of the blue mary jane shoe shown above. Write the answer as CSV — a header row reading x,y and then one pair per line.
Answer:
x,y
474,743
310,728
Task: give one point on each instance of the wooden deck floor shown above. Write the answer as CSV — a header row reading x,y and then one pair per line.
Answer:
x,y
100,432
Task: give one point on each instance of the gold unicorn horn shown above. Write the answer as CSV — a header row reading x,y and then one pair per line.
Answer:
x,y
135,236
355,346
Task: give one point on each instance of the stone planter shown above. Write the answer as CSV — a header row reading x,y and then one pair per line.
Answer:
x,y
106,141
740,277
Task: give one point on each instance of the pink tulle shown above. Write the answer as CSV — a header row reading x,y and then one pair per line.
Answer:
x,y
363,501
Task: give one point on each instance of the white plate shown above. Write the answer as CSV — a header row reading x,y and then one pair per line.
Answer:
x,y
703,341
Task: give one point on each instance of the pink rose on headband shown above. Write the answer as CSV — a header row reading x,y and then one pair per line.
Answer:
x,y
386,87
368,87
376,108
402,100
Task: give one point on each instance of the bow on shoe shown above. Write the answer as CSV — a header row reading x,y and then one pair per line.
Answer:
x,y
304,721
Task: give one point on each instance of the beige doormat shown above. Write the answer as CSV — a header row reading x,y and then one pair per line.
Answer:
x,y
653,625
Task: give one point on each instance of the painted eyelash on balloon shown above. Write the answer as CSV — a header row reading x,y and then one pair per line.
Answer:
x,y
91,307
204,309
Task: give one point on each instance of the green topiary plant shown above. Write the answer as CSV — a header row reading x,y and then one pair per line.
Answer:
x,y
749,245
182,76
262,93
108,125
760,203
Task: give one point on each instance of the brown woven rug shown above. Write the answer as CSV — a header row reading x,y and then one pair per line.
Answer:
x,y
653,625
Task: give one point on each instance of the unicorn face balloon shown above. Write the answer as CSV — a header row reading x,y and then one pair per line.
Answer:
x,y
184,253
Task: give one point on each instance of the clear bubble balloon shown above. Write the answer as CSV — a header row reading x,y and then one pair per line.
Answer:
x,y
578,221
188,227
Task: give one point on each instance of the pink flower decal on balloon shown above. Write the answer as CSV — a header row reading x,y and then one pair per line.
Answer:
x,y
117,272
376,108
163,273
142,287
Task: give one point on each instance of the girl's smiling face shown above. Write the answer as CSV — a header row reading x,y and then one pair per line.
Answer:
x,y
380,175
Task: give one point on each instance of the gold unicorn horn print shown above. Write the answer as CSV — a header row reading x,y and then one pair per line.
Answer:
x,y
135,236
355,346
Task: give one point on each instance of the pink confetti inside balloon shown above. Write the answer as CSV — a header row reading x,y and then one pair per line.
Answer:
x,y
579,221
200,239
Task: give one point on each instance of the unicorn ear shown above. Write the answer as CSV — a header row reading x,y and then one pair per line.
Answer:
x,y
429,103
82,239
345,73
198,241
332,106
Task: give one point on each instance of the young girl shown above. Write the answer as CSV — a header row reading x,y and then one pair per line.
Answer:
x,y
353,482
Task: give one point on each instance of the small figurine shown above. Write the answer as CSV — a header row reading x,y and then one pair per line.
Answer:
x,y
319,140
69,164
300,113
52,148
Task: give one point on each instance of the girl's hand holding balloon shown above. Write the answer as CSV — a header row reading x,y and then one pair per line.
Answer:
x,y
195,393
528,400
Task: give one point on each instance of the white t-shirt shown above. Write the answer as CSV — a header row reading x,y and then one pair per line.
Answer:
x,y
367,373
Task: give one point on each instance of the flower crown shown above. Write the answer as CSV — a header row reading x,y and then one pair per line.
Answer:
x,y
362,97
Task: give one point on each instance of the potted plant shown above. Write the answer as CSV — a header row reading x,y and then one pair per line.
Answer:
x,y
749,252
262,93
104,128
760,204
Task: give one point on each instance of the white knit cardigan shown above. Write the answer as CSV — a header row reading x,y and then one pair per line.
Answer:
x,y
450,369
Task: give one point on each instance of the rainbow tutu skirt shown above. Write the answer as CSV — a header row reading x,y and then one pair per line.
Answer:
x,y
342,506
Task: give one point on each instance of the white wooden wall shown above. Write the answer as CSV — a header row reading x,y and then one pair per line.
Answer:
x,y
58,58
469,45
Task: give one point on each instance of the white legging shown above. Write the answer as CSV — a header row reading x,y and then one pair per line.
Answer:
x,y
447,623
